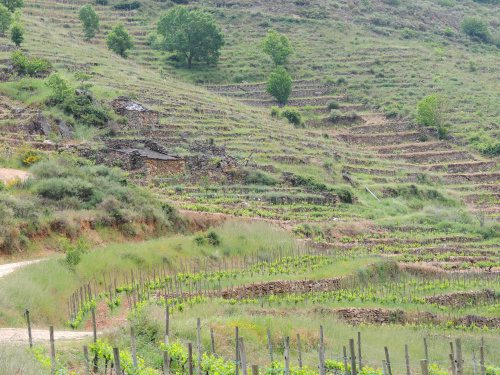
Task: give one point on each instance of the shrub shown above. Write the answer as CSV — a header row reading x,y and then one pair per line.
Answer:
x,y
275,112
24,65
193,34
279,85
430,111
12,5
119,40
277,46
476,28
5,19
127,6
90,21
17,34
59,87
333,105
101,2
292,115
255,177
30,157
59,188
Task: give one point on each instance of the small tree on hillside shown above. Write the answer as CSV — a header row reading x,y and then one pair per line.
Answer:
x,y
17,34
90,21
191,33
12,5
476,28
430,111
277,46
119,40
279,85
5,19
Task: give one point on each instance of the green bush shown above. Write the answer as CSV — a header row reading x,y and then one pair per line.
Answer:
x,y
17,34
119,41
255,177
279,85
59,188
34,66
476,28
293,116
90,21
127,5
5,19
277,46
333,105
430,111
12,5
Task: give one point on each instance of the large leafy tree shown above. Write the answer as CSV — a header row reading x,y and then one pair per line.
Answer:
x,y
119,40
12,5
277,46
192,34
90,21
5,19
279,84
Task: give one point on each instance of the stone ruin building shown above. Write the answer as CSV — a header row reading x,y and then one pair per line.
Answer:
x,y
139,118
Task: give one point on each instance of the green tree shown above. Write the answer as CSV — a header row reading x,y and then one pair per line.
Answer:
x,y
90,21
430,111
17,34
5,19
119,40
12,5
192,34
59,87
476,28
279,84
277,46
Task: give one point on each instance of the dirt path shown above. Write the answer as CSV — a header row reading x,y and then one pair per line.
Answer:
x,y
8,175
5,269
20,335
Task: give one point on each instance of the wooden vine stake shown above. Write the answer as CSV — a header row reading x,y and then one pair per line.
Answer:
x,y
28,322
270,345
299,350
212,340
287,355
388,361
52,351
237,344
481,360
360,362
134,347
346,370
424,365
190,358
407,360
459,358
243,357
255,370
353,357
198,345
116,356
87,360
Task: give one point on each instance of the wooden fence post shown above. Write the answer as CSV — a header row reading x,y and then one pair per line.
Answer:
x,y
453,364
167,320
407,360
52,351
426,350
353,357
94,325
116,356
270,345
166,363
481,360
424,365
134,347
237,344
321,352
360,362
287,355
346,370
198,345
387,359
299,350
87,360
459,358
190,358
255,370
30,337
243,356
212,340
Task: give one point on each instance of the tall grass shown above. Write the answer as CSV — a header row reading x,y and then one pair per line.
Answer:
x,y
44,287
18,360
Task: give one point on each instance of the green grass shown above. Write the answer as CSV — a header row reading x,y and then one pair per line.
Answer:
x,y
43,288
19,360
